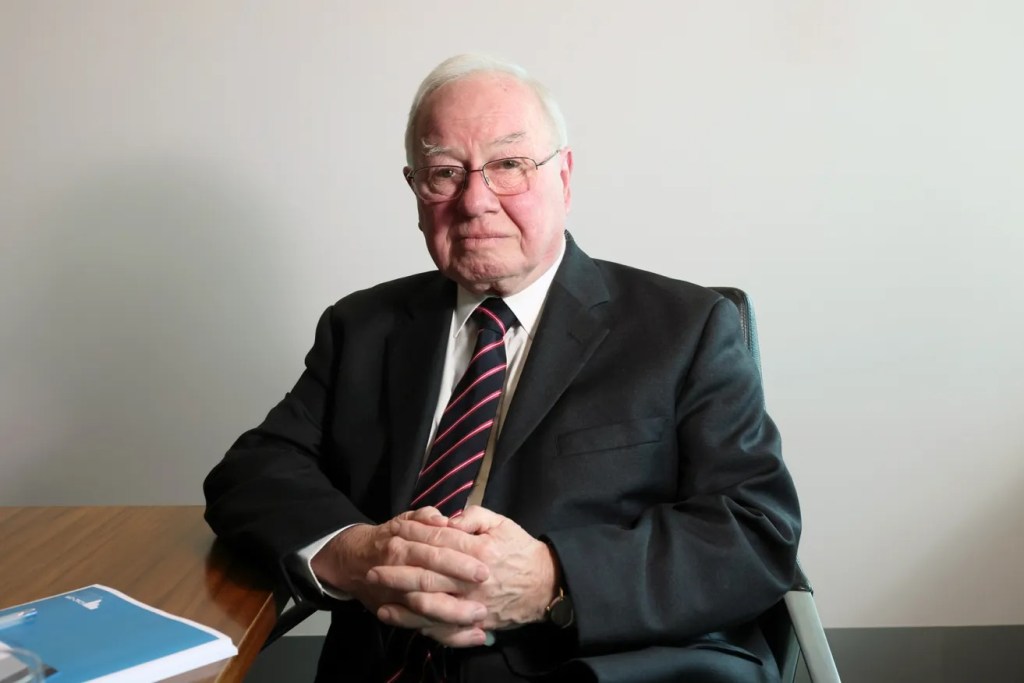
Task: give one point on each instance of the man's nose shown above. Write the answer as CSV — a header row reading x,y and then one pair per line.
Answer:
x,y
477,197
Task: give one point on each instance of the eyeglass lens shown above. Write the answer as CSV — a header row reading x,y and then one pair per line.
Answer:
x,y
503,176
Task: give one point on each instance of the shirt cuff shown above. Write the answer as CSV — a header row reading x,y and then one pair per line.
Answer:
x,y
303,560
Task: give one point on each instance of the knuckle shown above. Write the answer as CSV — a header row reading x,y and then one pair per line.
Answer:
x,y
433,555
418,602
394,548
488,550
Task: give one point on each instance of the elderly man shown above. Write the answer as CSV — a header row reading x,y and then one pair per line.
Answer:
x,y
529,465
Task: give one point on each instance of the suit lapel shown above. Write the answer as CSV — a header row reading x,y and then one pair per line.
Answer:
x,y
415,356
571,328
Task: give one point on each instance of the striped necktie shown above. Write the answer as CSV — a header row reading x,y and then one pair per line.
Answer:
x,y
455,455
451,468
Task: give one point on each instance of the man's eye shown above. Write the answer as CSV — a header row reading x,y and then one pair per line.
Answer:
x,y
510,164
443,173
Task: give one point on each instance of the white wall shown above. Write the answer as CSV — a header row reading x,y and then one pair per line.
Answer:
x,y
186,185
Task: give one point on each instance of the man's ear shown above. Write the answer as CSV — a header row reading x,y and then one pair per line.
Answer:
x,y
566,175
405,177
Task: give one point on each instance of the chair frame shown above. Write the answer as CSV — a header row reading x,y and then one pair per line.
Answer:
x,y
792,627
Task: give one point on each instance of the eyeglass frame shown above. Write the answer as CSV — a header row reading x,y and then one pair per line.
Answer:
x,y
468,171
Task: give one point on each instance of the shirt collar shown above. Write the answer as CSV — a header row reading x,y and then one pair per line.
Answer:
x,y
527,304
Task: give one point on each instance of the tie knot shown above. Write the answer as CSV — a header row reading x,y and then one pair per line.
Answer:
x,y
495,315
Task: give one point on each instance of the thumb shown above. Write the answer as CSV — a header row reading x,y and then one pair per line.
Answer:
x,y
475,520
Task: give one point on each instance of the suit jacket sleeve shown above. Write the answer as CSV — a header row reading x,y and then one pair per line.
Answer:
x,y
272,494
726,549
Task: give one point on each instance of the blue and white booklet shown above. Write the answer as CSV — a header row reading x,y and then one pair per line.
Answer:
x,y
99,635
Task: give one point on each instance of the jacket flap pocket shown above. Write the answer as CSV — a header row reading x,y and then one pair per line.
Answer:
x,y
608,437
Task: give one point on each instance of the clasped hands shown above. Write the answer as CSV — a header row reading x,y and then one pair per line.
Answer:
x,y
453,579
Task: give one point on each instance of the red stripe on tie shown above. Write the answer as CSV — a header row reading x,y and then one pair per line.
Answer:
x,y
494,318
395,677
454,493
437,483
484,350
481,378
485,425
467,414
423,669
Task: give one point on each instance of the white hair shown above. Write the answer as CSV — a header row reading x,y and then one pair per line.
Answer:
x,y
461,66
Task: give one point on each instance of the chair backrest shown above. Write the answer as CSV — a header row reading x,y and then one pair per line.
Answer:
x,y
748,322
775,623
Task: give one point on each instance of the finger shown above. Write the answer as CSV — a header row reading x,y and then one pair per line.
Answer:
x,y
442,537
397,615
451,563
422,610
408,579
476,520
429,515
454,636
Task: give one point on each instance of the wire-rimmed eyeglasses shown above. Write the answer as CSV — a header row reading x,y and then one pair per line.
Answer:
x,y
506,176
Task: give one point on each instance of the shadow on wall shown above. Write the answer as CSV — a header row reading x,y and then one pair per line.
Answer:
x,y
149,297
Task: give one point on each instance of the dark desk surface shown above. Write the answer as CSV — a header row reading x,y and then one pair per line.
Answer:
x,y
163,556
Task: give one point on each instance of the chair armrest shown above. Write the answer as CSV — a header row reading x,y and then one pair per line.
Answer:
x,y
289,619
811,635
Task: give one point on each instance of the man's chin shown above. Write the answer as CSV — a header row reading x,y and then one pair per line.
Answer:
x,y
486,260
483,278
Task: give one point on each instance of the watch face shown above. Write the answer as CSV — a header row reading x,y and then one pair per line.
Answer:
x,y
561,612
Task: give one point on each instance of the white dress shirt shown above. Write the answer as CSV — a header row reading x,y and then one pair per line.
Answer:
x,y
527,306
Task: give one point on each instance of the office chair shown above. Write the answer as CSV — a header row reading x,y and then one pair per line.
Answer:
x,y
792,627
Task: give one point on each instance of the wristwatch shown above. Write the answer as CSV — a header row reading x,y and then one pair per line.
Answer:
x,y
560,612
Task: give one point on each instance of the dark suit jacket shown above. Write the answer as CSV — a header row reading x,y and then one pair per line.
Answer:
x,y
637,444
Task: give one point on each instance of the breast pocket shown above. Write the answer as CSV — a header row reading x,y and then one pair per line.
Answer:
x,y
617,436
612,473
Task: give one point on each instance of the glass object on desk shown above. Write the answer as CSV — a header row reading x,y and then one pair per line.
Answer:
x,y
20,666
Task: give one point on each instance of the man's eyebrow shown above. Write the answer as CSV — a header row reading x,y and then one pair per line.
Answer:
x,y
509,139
431,150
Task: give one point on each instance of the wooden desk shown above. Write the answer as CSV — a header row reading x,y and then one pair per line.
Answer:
x,y
163,556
